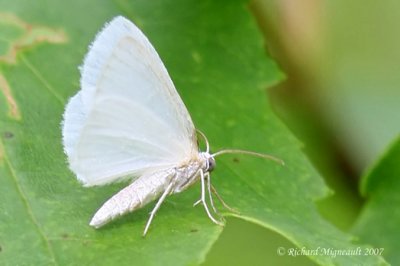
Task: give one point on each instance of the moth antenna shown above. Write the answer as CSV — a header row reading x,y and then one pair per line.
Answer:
x,y
205,139
261,155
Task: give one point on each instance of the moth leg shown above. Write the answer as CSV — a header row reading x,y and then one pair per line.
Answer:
x,y
213,190
159,202
196,203
203,199
208,177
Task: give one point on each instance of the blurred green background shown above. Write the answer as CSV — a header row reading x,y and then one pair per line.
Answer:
x,y
341,98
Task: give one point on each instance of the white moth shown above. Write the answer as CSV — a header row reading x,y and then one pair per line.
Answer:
x,y
128,122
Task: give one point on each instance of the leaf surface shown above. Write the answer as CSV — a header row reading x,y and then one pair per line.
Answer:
x,y
379,221
215,56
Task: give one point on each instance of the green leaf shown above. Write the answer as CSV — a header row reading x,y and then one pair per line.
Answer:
x,y
215,56
379,221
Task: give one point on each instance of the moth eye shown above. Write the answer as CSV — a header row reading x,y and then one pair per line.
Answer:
x,y
211,164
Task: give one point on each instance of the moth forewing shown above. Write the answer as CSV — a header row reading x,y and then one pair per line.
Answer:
x,y
128,116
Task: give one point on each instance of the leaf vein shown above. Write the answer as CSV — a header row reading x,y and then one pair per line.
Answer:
x,y
27,205
46,84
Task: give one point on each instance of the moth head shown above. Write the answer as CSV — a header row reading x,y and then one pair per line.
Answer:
x,y
210,163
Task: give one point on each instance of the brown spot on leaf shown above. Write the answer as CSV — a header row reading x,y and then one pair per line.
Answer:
x,y
65,236
194,230
236,160
28,36
8,135
13,110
